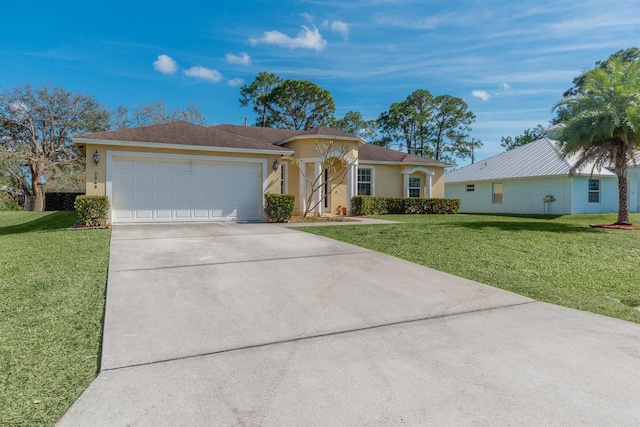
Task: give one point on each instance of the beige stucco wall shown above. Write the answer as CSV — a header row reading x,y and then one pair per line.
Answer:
x,y
389,179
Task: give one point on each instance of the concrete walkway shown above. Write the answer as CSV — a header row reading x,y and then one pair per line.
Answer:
x,y
258,324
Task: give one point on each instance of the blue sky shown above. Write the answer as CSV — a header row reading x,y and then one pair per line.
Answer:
x,y
509,60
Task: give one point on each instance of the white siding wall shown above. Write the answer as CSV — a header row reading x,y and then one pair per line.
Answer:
x,y
608,195
525,196
634,185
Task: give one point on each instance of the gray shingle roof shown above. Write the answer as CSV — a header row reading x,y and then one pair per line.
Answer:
x,y
183,133
536,159
375,153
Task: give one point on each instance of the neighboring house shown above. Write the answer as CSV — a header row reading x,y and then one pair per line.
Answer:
x,y
633,176
184,172
532,179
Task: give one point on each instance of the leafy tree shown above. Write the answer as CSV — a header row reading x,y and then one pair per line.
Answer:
x,y
149,114
36,126
466,150
407,122
257,92
299,105
429,126
353,123
288,104
602,122
528,135
626,55
450,126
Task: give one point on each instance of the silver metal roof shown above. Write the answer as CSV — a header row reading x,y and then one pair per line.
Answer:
x,y
535,159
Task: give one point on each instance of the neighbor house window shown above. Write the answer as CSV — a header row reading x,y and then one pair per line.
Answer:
x,y
594,191
470,188
364,182
414,187
497,193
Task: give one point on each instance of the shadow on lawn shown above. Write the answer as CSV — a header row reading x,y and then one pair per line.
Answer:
x,y
49,222
526,226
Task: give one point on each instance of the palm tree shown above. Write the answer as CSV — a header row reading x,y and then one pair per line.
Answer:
x,y
601,124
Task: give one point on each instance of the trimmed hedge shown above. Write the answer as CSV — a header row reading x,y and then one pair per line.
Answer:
x,y
92,210
279,207
373,205
58,201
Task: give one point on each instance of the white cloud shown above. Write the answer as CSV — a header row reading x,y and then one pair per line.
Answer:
x,y
505,86
308,17
235,82
165,64
339,27
482,94
199,72
307,39
242,59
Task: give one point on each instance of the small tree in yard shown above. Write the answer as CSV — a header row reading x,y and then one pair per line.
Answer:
x,y
336,162
36,126
601,123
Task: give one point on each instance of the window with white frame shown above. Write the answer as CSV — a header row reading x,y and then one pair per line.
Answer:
x,y
497,193
594,191
364,182
414,187
470,188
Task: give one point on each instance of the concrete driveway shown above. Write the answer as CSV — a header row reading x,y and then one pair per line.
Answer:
x,y
257,324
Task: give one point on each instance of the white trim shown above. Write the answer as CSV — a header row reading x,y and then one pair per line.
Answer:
x,y
138,144
110,154
302,184
373,178
408,172
418,169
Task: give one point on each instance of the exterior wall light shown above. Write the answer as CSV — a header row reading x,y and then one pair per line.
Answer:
x,y
276,164
96,157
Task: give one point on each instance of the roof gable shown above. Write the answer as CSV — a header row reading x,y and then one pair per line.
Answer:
x,y
535,159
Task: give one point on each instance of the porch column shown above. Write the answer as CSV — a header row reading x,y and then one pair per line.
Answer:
x,y
302,185
317,167
405,184
427,179
352,179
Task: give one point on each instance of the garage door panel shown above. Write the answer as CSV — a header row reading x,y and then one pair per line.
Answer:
x,y
143,165
177,190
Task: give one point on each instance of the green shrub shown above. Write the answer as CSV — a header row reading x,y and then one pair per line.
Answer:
x,y
9,202
92,210
279,207
370,205
9,206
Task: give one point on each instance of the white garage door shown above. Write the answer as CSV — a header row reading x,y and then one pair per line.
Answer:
x,y
156,190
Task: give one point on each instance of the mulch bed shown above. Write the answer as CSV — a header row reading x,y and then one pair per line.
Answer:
x,y
77,227
616,226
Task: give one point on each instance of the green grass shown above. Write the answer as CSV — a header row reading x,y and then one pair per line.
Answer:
x,y
52,284
560,260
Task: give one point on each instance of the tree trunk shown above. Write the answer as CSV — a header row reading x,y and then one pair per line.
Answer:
x,y
37,204
623,203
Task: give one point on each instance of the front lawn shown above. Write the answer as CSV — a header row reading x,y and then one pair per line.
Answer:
x,y
52,284
559,260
